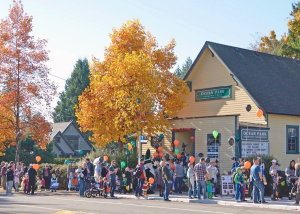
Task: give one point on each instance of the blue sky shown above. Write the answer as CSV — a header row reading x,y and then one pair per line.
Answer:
x,y
79,28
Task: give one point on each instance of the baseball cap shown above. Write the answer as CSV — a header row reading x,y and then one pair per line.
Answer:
x,y
274,161
233,158
31,165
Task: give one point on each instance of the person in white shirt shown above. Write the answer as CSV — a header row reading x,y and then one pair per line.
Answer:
x,y
213,171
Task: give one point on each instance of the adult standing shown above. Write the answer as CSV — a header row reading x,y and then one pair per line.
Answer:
x,y
70,170
257,182
160,182
213,171
32,178
234,164
179,173
241,162
191,181
167,180
9,179
112,178
200,171
141,178
297,169
290,173
47,176
90,167
274,173
3,172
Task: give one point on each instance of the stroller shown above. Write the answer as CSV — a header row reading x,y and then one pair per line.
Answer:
x,y
293,186
95,189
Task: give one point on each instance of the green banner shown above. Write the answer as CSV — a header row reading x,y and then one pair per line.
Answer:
x,y
213,93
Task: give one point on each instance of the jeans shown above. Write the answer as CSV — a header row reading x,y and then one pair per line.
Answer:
x,y
201,184
192,187
9,185
112,187
239,192
167,190
87,185
139,187
178,184
81,187
31,186
274,190
258,186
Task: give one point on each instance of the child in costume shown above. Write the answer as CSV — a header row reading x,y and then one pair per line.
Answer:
x,y
17,180
239,185
54,183
124,184
70,182
245,175
209,186
39,184
25,183
145,188
105,187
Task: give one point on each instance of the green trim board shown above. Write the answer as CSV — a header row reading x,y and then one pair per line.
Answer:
x,y
297,140
222,92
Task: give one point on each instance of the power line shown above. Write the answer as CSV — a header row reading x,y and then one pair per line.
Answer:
x,y
57,77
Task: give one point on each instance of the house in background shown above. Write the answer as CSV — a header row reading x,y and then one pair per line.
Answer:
x,y
68,140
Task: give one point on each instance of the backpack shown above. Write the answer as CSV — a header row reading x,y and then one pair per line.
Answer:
x,y
137,172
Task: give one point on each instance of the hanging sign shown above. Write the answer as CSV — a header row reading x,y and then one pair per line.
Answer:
x,y
255,148
255,135
213,93
213,151
143,139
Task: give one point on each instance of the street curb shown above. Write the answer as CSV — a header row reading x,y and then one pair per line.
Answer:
x,y
267,206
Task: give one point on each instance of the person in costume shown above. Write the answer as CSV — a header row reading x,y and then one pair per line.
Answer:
x,y
150,173
239,185
209,186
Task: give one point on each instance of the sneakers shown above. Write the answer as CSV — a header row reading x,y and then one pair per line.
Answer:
x,y
191,198
168,200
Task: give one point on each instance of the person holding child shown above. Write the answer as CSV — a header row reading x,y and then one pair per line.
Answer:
x,y
213,171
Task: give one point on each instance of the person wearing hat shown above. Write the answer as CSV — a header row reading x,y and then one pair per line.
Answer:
x,y
32,176
141,177
239,185
274,168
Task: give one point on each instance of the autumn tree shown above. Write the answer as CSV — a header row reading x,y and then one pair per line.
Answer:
x,y
25,90
182,71
132,88
288,45
65,111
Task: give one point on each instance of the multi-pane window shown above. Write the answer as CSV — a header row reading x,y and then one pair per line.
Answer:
x,y
292,137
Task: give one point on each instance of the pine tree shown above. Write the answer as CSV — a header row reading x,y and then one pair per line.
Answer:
x,y
182,71
64,111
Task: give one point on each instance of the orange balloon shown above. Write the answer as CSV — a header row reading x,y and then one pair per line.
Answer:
x,y
161,154
178,156
192,159
151,180
176,142
129,146
38,158
259,113
105,158
36,166
159,149
155,154
173,167
247,165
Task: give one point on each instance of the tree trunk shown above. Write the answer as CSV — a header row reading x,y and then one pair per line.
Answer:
x,y
120,146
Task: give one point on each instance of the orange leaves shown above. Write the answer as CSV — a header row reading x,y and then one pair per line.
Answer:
x,y
134,67
25,90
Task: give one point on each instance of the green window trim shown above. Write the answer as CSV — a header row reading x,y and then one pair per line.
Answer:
x,y
287,140
211,141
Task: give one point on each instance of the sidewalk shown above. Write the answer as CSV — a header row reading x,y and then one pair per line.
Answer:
x,y
220,200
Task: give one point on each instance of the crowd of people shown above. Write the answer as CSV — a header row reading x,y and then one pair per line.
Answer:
x,y
165,176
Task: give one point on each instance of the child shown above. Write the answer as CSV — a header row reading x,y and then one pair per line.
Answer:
x,y
279,191
54,184
105,187
244,172
70,183
25,183
209,186
239,184
124,184
17,180
39,184
145,187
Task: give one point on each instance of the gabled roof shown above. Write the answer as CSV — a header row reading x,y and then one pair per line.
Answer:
x,y
272,82
67,142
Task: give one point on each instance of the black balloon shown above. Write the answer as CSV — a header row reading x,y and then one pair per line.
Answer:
x,y
200,155
231,141
156,145
248,107
166,156
159,139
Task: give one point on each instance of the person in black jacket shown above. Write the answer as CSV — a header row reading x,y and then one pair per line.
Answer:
x,y
47,176
32,177
9,180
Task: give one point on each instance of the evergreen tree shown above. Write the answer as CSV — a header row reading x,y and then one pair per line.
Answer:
x,y
182,71
64,111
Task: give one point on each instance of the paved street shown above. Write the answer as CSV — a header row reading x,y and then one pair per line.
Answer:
x,y
20,204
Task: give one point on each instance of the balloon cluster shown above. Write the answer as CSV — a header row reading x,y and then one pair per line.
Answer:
x,y
128,147
158,153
